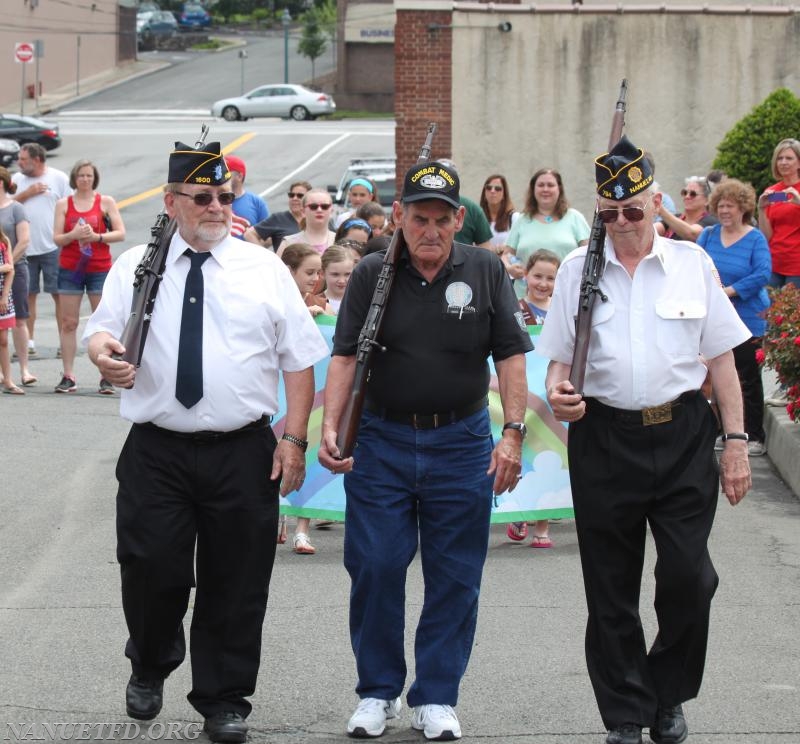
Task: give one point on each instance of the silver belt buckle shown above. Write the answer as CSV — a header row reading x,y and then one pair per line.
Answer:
x,y
657,414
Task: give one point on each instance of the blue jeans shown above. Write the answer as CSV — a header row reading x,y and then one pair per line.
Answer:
x,y
780,280
411,488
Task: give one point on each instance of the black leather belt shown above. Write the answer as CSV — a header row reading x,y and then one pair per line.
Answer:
x,y
427,420
209,436
644,417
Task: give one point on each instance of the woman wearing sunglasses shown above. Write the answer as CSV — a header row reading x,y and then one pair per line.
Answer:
x,y
695,215
314,230
271,231
499,209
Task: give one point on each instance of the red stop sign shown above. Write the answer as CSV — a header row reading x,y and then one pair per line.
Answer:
x,y
23,52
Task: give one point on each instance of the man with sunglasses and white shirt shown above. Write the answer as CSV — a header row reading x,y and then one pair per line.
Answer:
x,y
641,448
201,465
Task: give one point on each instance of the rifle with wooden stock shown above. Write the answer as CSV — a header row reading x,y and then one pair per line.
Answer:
x,y
147,278
368,338
593,266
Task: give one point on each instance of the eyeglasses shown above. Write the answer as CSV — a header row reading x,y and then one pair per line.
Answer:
x,y
204,198
492,187
318,207
689,192
631,214
296,194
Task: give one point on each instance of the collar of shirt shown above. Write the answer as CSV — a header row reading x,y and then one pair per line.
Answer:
x,y
456,258
221,253
659,252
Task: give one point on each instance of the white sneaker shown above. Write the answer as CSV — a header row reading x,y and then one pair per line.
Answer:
x,y
756,449
439,722
370,717
719,445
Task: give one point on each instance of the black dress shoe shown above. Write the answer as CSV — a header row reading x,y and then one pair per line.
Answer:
x,y
670,726
628,733
226,727
144,697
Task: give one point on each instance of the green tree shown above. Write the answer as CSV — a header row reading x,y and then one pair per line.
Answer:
x,y
312,42
746,150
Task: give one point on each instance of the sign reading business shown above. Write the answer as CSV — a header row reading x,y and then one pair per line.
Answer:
x,y
370,23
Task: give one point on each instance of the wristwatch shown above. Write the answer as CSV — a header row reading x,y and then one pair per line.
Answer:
x,y
736,435
518,426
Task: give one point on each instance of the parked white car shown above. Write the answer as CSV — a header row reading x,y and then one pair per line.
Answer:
x,y
286,101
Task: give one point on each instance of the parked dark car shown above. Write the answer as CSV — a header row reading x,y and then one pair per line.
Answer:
x,y
9,152
153,25
193,16
24,129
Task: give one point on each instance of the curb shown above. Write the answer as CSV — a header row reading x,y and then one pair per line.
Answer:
x,y
783,446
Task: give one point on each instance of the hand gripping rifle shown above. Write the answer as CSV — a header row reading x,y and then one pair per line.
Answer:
x,y
593,267
147,278
367,339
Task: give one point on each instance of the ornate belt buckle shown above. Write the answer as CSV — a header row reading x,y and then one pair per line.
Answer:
x,y
657,414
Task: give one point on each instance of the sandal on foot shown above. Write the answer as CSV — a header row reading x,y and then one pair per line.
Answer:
x,y
30,380
282,530
13,390
302,546
541,541
517,531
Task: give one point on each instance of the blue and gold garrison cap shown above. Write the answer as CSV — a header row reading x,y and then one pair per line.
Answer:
x,y
204,166
623,172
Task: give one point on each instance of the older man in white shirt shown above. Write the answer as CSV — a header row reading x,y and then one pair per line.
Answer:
x,y
201,464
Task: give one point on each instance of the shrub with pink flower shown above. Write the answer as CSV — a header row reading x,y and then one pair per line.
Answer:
x,y
781,350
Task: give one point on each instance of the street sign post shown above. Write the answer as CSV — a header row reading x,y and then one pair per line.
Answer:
x,y
24,54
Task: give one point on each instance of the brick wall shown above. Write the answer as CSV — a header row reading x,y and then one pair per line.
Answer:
x,y
423,84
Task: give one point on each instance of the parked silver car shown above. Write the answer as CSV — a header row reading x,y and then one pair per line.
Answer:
x,y
9,152
285,101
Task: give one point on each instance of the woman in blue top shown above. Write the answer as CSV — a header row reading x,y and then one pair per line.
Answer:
x,y
741,255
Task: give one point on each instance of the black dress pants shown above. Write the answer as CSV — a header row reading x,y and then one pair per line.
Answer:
x,y
175,494
625,476
744,356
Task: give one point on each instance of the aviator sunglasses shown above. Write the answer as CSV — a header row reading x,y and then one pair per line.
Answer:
x,y
492,187
203,199
317,207
295,194
688,192
631,214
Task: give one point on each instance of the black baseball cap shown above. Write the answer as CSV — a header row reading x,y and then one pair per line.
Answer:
x,y
431,180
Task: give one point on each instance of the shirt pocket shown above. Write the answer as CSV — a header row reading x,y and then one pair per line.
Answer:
x,y
461,332
246,327
679,325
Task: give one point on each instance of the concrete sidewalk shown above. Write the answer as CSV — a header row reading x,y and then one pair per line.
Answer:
x,y
52,100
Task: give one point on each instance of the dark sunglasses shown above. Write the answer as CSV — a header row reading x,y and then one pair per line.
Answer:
x,y
687,192
317,207
295,194
492,187
632,214
204,198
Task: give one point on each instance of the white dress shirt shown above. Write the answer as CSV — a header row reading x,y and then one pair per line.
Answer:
x,y
647,339
255,323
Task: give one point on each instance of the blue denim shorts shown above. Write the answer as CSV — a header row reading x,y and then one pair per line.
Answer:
x,y
92,282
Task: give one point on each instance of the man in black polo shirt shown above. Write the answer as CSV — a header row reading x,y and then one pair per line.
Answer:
x,y
425,465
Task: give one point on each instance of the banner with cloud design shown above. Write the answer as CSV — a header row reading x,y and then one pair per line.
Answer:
x,y
542,493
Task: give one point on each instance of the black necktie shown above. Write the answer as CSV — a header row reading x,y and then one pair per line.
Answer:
x,y
189,383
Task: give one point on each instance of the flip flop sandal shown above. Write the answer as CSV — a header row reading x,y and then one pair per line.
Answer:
x,y
13,390
517,531
541,541
282,530
301,544
32,380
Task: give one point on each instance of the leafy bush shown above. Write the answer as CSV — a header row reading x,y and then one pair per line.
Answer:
x,y
746,150
781,350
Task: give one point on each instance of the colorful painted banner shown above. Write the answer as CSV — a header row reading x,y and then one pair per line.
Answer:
x,y
542,493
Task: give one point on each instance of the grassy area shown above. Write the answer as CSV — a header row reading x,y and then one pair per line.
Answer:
x,y
211,45
353,114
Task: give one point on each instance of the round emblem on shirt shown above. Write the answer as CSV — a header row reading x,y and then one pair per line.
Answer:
x,y
458,294
635,174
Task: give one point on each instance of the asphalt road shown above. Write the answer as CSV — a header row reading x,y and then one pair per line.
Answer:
x,y
62,630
